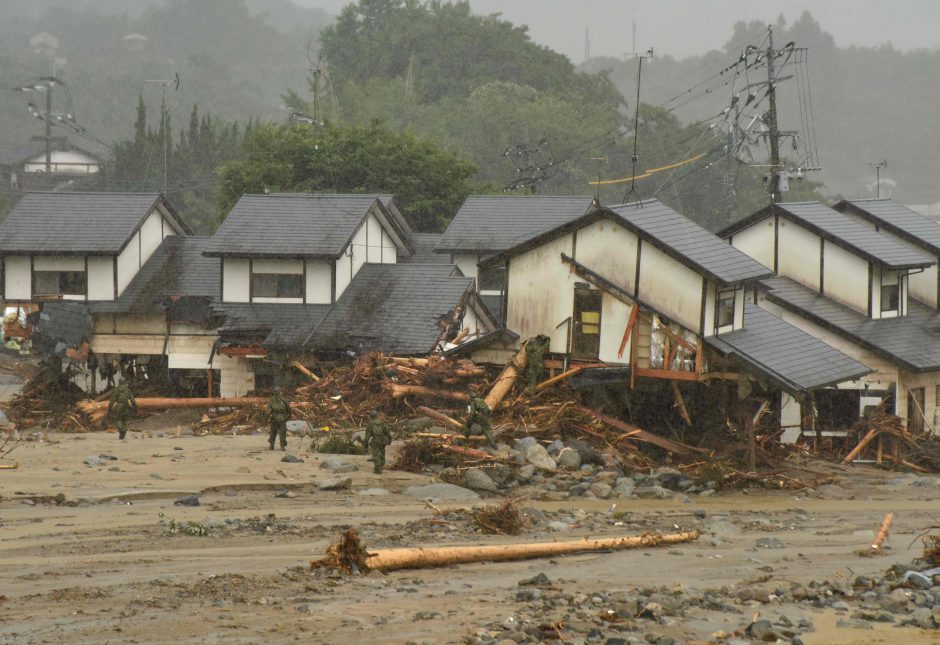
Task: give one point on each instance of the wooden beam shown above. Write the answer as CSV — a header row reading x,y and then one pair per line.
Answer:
x,y
561,377
506,380
726,376
638,434
629,330
434,414
400,390
680,402
867,439
699,350
650,372
674,336
303,370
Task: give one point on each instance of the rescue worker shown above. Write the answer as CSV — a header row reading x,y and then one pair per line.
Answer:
x,y
279,412
377,438
479,420
120,406
534,361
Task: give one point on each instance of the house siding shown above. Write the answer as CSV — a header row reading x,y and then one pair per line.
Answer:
x,y
798,254
923,286
845,277
319,277
17,277
673,288
609,249
235,280
100,277
757,241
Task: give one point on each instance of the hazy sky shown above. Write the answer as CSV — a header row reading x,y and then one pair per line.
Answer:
x,y
683,28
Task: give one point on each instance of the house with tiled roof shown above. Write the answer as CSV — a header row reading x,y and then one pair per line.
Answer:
x,y
861,278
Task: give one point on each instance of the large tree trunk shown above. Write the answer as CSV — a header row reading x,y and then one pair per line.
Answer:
x,y
507,378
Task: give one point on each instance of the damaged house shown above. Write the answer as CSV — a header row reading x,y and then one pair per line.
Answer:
x,y
863,281
284,276
644,292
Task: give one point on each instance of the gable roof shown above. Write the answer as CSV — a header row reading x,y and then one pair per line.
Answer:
x,y
37,146
423,245
795,360
898,219
841,230
273,325
910,341
294,225
671,232
495,223
176,269
394,308
70,223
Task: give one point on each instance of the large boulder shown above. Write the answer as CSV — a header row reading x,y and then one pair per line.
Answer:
x,y
569,458
587,452
442,492
538,457
476,479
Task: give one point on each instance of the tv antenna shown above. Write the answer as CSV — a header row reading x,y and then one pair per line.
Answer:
x,y
165,83
878,166
636,127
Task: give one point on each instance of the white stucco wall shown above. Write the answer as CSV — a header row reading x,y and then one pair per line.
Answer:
x,y
319,282
467,263
671,287
610,250
64,162
343,273
17,277
757,241
845,277
923,286
100,277
389,250
711,294
374,233
798,254
614,318
128,263
235,280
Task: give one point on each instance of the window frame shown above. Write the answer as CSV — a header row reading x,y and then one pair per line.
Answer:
x,y
80,277
721,295
279,283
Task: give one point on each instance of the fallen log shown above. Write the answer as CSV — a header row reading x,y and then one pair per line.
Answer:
x,y
400,390
867,439
392,559
882,533
506,379
162,403
424,362
447,437
558,378
467,452
461,336
434,414
643,435
303,370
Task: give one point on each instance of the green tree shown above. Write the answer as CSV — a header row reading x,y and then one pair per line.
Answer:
x,y
428,182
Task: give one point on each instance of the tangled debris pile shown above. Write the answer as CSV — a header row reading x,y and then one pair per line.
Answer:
x,y
46,398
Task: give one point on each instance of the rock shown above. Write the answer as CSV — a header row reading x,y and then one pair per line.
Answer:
x,y
337,483
299,427
524,443
337,465
555,447
700,513
587,452
762,630
526,595
443,492
852,623
653,492
678,482
569,458
211,523
538,457
292,459
94,460
624,488
896,602
188,500
107,457
600,490
476,479
28,502
286,493
538,580
375,492
922,617
769,543
721,527
525,473
558,526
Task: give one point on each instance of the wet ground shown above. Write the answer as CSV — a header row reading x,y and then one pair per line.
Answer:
x,y
109,560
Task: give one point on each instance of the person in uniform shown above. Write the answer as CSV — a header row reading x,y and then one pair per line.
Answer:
x,y
377,438
479,419
535,361
120,406
279,412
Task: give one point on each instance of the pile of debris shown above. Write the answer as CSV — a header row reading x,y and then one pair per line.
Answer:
x,y
46,399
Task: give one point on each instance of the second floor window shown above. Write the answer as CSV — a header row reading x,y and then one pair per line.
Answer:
x,y
60,283
724,313
890,297
277,285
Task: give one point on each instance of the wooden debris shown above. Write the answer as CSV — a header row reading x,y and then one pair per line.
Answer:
x,y
303,370
882,533
507,379
867,439
434,414
643,435
399,391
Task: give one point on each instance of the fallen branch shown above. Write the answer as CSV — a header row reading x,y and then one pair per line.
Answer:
x,y
558,378
303,370
415,558
643,435
882,533
867,439
506,379
434,414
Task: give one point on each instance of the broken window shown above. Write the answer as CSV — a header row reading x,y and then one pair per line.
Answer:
x,y
277,285
60,283
492,278
890,297
724,312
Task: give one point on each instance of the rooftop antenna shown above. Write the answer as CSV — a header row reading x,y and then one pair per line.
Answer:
x,y
636,128
597,186
878,166
165,83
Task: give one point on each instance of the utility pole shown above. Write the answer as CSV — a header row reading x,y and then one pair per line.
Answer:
x,y
772,121
48,121
164,113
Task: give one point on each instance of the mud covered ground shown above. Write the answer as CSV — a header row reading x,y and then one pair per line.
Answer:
x,y
99,553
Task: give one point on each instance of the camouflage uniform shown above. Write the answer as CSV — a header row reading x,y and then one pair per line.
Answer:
x,y
479,421
279,411
120,406
534,361
377,438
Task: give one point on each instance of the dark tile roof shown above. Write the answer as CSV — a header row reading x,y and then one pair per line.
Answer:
x,y
61,324
495,223
392,308
910,341
291,224
682,238
74,222
495,305
176,269
505,337
898,219
423,245
274,325
795,360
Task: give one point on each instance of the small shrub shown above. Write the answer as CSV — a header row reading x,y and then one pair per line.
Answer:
x,y
336,443
172,527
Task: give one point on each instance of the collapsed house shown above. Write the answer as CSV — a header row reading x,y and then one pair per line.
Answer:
x,y
844,278
284,276
640,291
